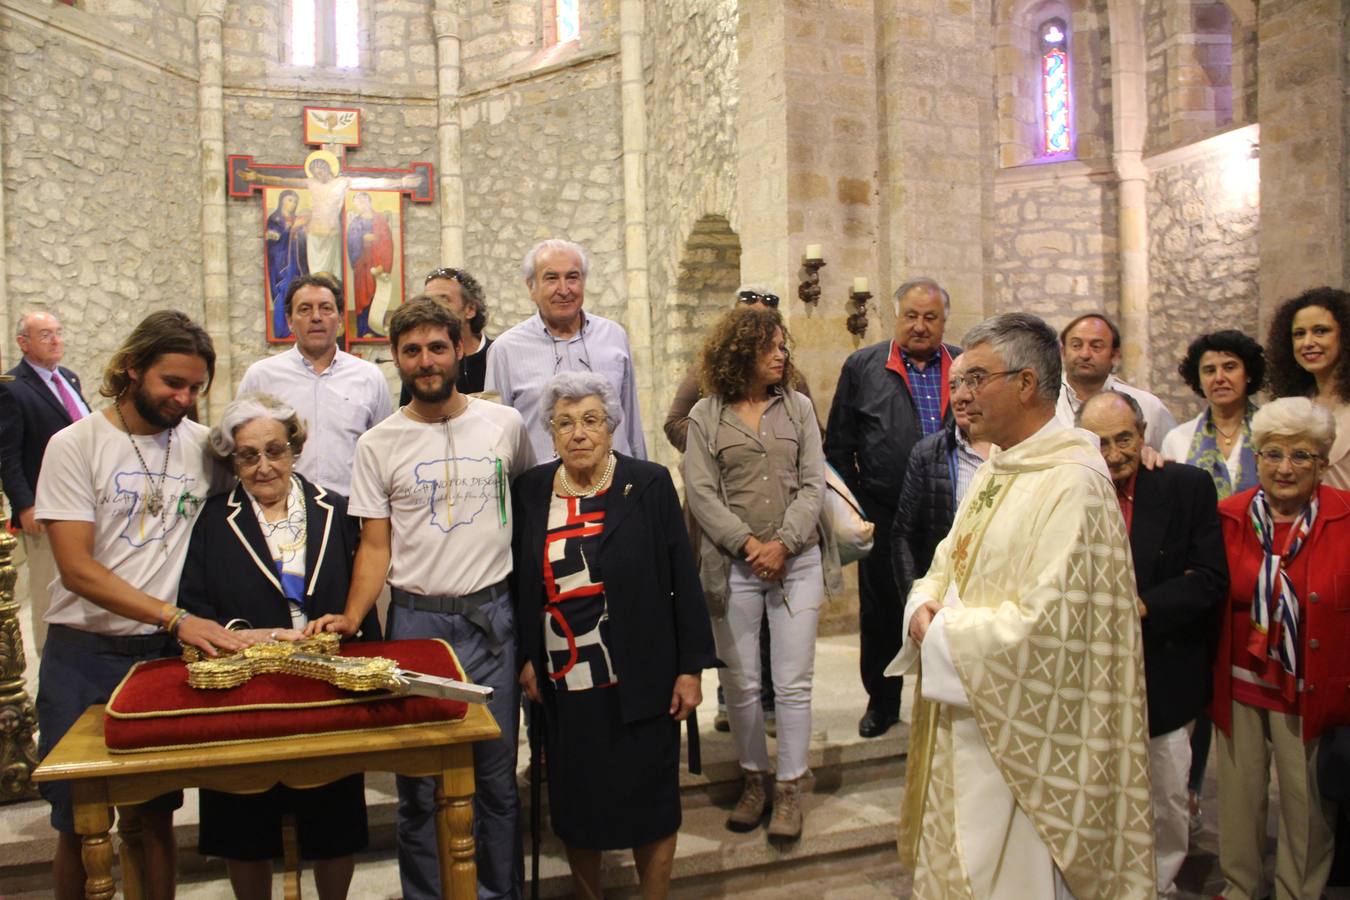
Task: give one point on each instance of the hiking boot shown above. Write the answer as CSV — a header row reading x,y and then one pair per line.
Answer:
x,y
749,811
786,824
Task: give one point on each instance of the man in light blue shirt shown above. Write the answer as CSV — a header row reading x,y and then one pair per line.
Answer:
x,y
339,396
562,338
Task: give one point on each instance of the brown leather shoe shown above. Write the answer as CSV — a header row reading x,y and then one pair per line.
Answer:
x,y
749,811
786,824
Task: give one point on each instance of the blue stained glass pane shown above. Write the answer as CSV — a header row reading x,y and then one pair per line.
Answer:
x,y
569,20
1055,95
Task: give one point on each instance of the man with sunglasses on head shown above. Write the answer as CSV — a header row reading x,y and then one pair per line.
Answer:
x,y
890,395
562,338
460,292
339,396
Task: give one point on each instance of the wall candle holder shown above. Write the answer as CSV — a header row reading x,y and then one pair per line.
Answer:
x,y
809,290
857,319
18,719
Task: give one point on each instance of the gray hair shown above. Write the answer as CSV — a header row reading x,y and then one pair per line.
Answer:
x,y
1139,421
1294,417
1025,342
555,244
574,386
247,407
924,281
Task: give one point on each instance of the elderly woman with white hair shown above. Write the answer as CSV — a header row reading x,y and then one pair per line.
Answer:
x,y
269,555
1281,674
612,632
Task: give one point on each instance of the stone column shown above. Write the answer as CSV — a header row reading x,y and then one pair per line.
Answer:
x,y
445,20
639,318
1129,114
1301,51
215,251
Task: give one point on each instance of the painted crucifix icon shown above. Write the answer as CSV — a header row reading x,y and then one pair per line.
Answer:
x,y
327,216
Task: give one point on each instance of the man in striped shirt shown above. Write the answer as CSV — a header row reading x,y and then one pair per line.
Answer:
x,y
562,338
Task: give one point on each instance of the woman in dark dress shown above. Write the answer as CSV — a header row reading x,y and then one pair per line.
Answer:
x,y
275,551
613,634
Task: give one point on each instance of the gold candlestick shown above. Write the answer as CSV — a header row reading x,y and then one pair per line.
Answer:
x,y
18,719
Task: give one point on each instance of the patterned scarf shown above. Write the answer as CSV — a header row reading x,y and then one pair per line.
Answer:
x,y
1205,453
1274,637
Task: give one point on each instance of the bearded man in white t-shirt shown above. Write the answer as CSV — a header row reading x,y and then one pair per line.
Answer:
x,y
119,492
432,486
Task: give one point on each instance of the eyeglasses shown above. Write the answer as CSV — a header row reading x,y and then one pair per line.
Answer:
x,y
45,336
749,297
445,272
560,349
1299,459
976,380
248,457
592,422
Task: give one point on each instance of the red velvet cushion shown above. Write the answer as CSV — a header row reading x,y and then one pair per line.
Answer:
x,y
154,708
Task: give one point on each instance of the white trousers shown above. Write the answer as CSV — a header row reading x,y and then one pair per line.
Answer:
x,y
37,550
793,608
1169,766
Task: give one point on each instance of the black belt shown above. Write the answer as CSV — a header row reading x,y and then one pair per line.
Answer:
x,y
158,644
470,606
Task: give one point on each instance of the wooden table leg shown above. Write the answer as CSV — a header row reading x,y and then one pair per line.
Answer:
x,y
131,851
93,818
454,825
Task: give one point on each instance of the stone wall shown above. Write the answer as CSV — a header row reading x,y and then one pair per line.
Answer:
x,y
691,65
164,27
542,158
1054,247
1204,219
500,39
101,180
264,99
1190,70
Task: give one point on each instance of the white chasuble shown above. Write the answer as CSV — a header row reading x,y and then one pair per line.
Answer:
x,y
1047,767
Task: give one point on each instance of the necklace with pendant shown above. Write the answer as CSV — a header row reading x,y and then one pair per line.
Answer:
x,y
451,459
154,494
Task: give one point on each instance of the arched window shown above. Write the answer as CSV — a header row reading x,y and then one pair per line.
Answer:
x,y
1056,122
560,21
326,33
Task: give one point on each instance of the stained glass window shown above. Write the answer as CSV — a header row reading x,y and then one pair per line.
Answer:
x,y
568,20
347,46
302,32
326,33
1056,131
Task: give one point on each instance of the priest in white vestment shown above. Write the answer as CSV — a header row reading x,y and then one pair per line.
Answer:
x,y
1028,768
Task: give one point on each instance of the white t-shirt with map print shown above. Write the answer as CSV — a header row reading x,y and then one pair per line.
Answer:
x,y
90,473
402,470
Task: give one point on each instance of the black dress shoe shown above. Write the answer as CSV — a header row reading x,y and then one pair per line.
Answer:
x,y
875,723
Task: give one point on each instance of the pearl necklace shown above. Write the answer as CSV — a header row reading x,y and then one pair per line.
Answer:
x,y
572,491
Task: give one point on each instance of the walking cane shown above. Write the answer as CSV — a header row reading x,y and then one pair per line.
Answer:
x,y
695,751
536,729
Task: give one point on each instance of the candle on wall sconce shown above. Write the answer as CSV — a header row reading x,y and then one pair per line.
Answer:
x,y
857,306
860,285
809,290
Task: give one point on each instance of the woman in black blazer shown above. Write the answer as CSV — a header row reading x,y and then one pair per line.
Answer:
x,y
274,551
613,634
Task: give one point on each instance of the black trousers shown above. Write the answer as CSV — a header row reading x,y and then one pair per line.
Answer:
x,y
880,612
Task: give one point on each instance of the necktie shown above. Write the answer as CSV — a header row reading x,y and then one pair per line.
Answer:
x,y
72,408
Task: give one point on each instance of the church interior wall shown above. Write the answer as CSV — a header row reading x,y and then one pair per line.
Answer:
x,y
1204,218
98,127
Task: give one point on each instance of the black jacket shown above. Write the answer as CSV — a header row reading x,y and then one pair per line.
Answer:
x,y
873,425
926,509
29,415
229,573
1182,574
659,626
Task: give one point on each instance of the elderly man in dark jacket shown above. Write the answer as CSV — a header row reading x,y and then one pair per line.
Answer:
x,y
890,395
1181,573
940,469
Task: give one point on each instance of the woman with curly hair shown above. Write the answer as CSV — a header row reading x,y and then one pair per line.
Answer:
x,y
1305,359
754,475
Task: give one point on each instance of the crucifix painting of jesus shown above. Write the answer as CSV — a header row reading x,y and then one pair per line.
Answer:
x,y
348,224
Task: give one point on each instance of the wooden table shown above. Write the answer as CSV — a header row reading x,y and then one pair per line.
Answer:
x,y
100,780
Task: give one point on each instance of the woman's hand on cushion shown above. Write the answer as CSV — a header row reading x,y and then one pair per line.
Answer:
x,y
686,697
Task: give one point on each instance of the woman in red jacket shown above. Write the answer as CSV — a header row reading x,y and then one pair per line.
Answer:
x,y
1282,673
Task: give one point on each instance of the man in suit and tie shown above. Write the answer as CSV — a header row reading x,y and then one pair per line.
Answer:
x,y
43,398
1181,574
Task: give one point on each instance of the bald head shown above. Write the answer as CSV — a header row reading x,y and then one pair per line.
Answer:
x,y
40,339
1118,423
